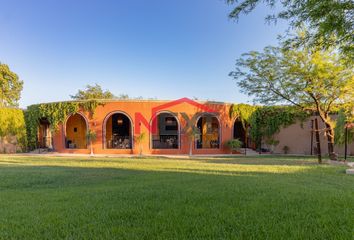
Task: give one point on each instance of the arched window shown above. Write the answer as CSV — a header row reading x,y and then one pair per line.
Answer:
x,y
167,131
118,131
75,132
209,130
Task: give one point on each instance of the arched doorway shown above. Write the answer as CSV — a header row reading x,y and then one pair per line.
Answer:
x,y
239,132
167,131
44,134
118,131
209,129
75,132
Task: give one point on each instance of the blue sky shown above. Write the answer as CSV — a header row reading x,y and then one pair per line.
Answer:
x,y
165,49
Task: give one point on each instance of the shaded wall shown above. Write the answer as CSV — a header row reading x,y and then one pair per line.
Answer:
x,y
298,138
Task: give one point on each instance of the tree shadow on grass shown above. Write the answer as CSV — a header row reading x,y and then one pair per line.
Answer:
x,y
52,176
170,194
260,161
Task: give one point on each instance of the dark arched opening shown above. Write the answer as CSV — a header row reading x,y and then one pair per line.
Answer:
x,y
44,134
118,132
240,133
167,132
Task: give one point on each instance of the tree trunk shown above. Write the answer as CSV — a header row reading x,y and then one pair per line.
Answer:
x,y
330,139
190,147
318,142
140,150
91,148
329,132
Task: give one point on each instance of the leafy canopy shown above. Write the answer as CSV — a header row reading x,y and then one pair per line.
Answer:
x,y
326,18
93,92
340,132
242,112
313,80
10,87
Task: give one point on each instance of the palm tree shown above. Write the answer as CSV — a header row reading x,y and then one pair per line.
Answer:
x,y
91,136
139,139
193,135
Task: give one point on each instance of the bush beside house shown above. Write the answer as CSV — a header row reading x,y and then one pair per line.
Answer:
x,y
12,130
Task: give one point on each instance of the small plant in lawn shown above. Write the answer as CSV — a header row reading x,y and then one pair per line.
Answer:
x,y
193,135
139,139
234,144
91,136
286,149
272,143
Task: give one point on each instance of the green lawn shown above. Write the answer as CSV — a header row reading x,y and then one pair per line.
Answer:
x,y
157,198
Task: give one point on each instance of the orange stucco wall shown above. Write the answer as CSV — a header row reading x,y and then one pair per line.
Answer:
x,y
130,108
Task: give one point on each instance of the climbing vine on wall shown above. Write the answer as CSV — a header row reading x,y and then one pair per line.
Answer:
x,y
268,120
265,121
242,112
12,124
55,113
339,131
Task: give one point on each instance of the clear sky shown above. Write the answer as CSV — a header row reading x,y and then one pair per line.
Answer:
x,y
165,49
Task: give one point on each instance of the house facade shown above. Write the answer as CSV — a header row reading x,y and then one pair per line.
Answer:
x,y
166,127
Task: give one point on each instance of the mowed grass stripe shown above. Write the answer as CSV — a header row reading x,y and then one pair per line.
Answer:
x,y
152,198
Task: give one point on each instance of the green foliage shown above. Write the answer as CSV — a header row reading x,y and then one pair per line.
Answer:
x,y
55,113
91,135
310,79
93,92
10,87
140,138
243,112
193,134
331,22
298,76
234,144
124,96
342,120
12,123
265,121
268,120
272,142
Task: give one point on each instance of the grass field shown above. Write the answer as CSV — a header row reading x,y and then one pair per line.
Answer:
x,y
157,198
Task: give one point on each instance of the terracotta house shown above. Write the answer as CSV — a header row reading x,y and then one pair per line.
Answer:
x,y
118,122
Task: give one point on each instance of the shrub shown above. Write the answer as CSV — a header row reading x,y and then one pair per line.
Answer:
x,y
286,149
234,144
12,124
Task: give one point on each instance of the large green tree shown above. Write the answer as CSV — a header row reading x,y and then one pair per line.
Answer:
x,y
331,22
312,80
93,92
10,87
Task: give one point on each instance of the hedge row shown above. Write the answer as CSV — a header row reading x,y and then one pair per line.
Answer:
x,y
12,124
